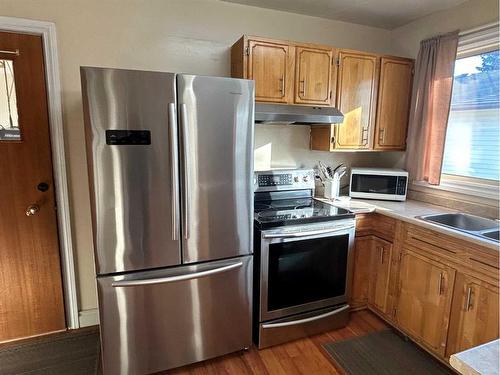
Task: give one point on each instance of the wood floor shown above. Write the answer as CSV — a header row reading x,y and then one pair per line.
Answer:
x,y
305,356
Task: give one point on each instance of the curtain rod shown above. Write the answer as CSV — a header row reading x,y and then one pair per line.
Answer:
x,y
479,28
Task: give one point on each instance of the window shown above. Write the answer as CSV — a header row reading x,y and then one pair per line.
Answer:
x,y
9,126
472,138
471,160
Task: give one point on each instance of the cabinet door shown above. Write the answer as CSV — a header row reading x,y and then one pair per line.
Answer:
x,y
425,292
393,105
322,137
474,314
356,95
269,64
361,272
313,73
380,271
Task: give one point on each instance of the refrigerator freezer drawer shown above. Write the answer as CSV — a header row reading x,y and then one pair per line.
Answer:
x,y
161,319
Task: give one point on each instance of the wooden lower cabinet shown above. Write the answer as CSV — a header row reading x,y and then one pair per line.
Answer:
x,y
424,301
474,314
381,259
441,292
372,265
362,271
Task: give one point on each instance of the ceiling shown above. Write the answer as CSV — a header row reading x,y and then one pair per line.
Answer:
x,y
387,14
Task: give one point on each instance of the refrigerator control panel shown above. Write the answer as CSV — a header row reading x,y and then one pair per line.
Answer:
x,y
128,137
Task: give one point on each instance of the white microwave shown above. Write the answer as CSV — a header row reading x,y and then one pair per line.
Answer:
x,y
378,183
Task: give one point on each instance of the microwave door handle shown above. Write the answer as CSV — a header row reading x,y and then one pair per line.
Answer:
x,y
308,233
172,279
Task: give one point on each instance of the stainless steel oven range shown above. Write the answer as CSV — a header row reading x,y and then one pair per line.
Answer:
x,y
303,259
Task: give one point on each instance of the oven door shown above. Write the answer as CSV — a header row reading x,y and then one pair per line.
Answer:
x,y
305,267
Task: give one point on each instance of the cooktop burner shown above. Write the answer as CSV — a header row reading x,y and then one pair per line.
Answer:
x,y
281,212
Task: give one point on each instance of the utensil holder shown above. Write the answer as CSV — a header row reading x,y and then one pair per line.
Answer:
x,y
332,188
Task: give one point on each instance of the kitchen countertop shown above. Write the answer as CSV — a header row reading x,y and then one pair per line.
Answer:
x,y
480,360
408,211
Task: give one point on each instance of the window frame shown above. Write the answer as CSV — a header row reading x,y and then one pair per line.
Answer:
x,y
471,43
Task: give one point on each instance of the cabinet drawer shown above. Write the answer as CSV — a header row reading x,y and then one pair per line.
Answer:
x,y
375,224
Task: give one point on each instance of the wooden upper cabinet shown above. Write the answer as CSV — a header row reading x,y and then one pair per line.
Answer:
x,y
474,314
424,300
356,97
381,259
393,104
271,66
313,75
372,91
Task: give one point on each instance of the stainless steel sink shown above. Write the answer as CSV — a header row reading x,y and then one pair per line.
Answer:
x,y
475,225
493,235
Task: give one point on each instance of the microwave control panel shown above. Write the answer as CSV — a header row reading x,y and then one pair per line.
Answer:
x,y
401,185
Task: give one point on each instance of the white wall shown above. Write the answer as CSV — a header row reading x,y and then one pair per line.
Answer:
x,y
287,146
406,39
169,35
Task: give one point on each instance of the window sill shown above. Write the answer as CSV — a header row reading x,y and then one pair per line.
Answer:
x,y
470,191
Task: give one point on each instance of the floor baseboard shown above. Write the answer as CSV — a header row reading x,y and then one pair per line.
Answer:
x,y
88,318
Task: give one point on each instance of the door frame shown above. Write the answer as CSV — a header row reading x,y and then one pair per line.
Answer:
x,y
47,30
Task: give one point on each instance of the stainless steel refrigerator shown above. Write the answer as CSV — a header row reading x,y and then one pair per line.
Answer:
x,y
170,160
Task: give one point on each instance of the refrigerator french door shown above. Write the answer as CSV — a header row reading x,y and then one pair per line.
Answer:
x,y
170,170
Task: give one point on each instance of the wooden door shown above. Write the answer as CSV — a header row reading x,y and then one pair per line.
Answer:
x,y
270,65
31,299
381,259
393,104
356,96
361,271
313,74
424,301
474,314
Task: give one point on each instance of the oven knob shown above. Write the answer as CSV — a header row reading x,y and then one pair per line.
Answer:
x,y
296,179
305,178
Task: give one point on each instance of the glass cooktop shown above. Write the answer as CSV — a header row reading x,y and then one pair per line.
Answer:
x,y
274,213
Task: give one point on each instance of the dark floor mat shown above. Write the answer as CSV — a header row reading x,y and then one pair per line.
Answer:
x,y
383,353
69,353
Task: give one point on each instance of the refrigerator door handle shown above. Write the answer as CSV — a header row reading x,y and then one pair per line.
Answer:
x,y
172,279
185,152
174,161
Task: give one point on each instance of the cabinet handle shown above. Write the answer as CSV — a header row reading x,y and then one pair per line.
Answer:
x,y
468,304
440,283
282,85
364,135
381,136
381,255
301,86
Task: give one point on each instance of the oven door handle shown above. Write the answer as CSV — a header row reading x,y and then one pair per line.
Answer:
x,y
309,233
305,320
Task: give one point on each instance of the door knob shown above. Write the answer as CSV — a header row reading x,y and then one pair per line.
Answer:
x,y
32,210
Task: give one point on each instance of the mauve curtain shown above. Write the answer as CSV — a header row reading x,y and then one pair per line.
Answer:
x,y
430,107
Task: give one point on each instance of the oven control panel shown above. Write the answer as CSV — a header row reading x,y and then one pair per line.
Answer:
x,y
284,179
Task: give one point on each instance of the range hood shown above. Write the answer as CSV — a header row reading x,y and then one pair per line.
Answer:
x,y
296,114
